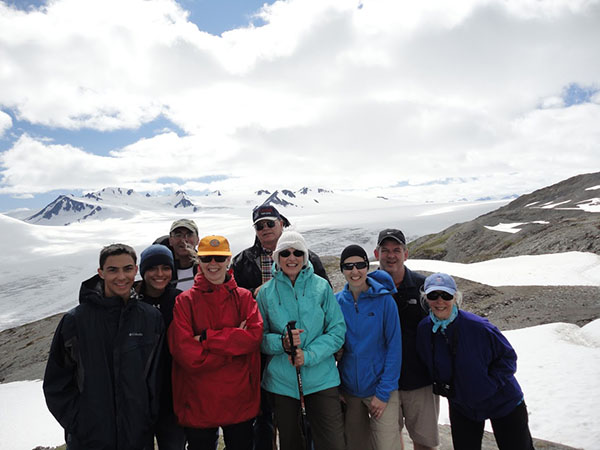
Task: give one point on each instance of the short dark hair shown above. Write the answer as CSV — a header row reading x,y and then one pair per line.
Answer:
x,y
114,250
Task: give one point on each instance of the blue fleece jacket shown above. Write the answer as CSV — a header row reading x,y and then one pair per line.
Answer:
x,y
372,355
311,303
484,365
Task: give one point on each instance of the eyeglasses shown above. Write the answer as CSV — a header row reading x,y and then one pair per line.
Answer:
x,y
359,265
435,294
260,225
209,258
182,235
286,253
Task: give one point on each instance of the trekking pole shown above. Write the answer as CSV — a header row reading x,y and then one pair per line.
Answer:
x,y
291,325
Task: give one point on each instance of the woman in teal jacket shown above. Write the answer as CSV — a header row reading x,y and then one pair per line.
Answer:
x,y
295,293
372,354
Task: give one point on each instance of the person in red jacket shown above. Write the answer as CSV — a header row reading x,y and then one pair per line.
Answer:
x,y
215,341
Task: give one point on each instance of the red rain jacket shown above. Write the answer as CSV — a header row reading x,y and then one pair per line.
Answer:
x,y
216,382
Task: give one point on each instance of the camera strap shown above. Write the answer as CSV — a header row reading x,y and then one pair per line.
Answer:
x,y
452,347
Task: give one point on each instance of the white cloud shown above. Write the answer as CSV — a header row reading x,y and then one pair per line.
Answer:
x,y
326,93
5,123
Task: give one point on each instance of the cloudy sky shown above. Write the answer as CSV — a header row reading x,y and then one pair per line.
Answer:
x,y
427,100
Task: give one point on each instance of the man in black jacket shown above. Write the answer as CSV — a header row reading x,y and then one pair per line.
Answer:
x,y
102,380
251,269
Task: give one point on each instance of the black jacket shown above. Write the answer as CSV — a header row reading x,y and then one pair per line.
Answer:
x,y
164,304
102,380
246,267
414,373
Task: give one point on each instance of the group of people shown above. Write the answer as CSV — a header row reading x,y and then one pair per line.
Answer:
x,y
259,345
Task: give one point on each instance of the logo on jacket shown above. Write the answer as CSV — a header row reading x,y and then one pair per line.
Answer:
x,y
134,334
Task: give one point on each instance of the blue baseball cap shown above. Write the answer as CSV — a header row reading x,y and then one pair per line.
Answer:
x,y
440,282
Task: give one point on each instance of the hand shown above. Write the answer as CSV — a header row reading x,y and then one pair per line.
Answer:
x,y
338,355
243,325
377,407
298,360
295,339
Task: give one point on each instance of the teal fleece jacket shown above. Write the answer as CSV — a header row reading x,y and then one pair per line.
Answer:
x,y
372,355
311,303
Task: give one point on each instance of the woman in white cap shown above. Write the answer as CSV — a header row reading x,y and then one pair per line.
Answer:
x,y
473,365
296,296
215,341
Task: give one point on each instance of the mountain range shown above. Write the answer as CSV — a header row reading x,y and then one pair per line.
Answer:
x,y
125,203
559,218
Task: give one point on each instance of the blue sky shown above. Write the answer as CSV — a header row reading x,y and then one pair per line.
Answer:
x,y
477,99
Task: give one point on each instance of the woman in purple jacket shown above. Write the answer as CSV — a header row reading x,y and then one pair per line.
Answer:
x,y
473,365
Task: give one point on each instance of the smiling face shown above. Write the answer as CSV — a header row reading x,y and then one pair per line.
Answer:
x,y
269,236
391,255
118,274
441,308
214,271
292,264
157,278
356,278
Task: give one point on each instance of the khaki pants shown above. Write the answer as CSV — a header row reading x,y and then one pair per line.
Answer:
x,y
364,432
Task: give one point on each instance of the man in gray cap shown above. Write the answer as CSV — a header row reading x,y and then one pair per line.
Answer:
x,y
419,407
183,240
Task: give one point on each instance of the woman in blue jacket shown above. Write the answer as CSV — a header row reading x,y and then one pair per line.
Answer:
x,y
295,293
473,365
372,354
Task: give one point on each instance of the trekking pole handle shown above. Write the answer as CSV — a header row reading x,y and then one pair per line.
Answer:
x,y
291,325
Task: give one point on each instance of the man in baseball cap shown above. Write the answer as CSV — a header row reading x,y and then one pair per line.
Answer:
x,y
183,240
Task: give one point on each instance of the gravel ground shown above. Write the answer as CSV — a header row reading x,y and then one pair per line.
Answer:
x,y
23,350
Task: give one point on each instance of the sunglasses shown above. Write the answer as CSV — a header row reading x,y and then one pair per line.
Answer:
x,y
435,294
260,225
209,258
286,253
359,265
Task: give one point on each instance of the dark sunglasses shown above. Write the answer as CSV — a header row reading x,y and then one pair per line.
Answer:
x,y
286,253
260,225
435,294
209,258
359,265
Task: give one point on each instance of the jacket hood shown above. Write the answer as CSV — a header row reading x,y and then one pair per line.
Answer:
x,y
380,283
92,291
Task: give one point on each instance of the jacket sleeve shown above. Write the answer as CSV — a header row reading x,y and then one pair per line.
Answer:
x,y
185,349
232,341
63,378
503,358
271,339
332,339
318,266
393,354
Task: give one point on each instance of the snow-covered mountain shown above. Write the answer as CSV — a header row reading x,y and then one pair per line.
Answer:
x,y
110,202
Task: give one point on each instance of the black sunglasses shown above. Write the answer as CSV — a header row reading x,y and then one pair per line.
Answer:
x,y
209,258
286,253
359,265
260,225
435,294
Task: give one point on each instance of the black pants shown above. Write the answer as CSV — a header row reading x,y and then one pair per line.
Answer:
x,y
324,413
263,425
511,431
237,437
